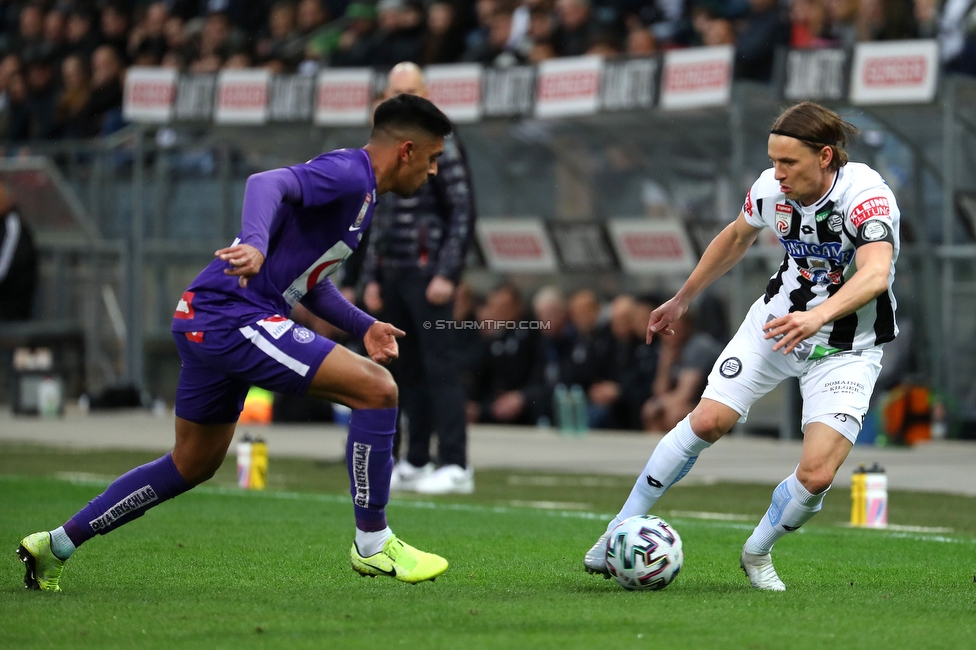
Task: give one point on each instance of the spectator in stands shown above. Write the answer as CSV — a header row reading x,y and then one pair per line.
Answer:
x,y
573,35
444,41
641,42
552,365
70,115
18,263
890,20
763,31
81,39
282,45
685,360
843,28
615,349
508,360
494,48
470,349
42,94
15,115
356,43
712,29
401,32
54,46
927,16
115,27
148,38
29,41
957,37
807,18
104,108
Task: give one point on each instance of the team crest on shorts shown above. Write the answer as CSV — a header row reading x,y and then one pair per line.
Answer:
x,y
303,335
730,368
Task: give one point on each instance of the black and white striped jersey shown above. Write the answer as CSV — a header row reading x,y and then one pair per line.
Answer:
x,y
820,241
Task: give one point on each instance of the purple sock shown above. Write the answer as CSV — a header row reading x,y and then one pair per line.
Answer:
x,y
127,498
369,458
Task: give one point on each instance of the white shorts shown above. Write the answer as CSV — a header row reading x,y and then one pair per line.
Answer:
x,y
748,369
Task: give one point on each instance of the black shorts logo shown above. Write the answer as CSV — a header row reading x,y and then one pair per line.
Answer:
x,y
730,368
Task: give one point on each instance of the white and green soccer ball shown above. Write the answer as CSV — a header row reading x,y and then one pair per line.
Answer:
x,y
644,553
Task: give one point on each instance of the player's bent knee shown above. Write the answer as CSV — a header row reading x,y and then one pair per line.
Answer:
x,y
709,423
816,479
383,393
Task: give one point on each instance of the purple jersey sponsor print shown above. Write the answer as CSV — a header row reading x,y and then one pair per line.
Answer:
x,y
306,242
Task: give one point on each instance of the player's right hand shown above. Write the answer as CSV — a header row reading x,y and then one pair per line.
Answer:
x,y
245,259
663,316
380,342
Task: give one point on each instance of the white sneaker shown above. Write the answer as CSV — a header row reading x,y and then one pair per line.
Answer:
x,y
449,479
759,569
405,476
595,560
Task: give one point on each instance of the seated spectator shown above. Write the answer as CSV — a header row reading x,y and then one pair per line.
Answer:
x,y
444,41
54,46
29,41
615,348
641,42
70,116
541,51
553,357
282,42
807,20
958,42
508,359
115,27
494,49
573,35
15,113
401,31
763,31
174,31
843,28
469,342
42,95
685,360
888,20
80,38
637,374
927,16
356,43
147,40
104,108
216,42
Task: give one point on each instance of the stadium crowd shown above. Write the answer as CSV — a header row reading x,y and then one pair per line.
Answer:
x,y
63,61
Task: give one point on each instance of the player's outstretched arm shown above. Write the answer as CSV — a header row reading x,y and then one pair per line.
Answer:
x,y
868,282
728,247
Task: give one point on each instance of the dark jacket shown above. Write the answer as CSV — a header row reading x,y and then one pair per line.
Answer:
x,y
18,268
430,230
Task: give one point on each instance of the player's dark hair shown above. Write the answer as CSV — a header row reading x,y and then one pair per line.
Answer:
x,y
411,113
817,127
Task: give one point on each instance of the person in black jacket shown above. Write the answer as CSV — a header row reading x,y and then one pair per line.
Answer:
x,y
413,264
18,263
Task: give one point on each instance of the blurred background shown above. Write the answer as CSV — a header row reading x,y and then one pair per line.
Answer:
x,y
608,141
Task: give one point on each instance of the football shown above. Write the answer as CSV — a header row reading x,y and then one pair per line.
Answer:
x,y
644,553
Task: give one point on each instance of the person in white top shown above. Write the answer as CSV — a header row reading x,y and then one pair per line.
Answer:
x,y
824,317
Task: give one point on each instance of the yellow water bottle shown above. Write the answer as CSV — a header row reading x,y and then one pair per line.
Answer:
x,y
859,501
259,465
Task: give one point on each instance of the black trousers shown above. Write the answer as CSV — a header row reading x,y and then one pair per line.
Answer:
x,y
427,372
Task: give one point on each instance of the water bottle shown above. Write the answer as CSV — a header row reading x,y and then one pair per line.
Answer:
x,y
876,497
581,416
562,409
259,465
858,496
49,397
244,462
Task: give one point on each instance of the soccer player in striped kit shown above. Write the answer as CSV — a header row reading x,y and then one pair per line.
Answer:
x,y
232,330
824,318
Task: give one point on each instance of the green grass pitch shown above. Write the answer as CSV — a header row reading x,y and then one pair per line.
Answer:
x,y
223,568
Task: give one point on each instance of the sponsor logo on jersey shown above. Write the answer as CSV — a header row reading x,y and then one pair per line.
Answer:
x,y
322,268
784,214
184,308
747,206
276,326
362,213
870,209
820,272
833,251
874,231
303,335
730,368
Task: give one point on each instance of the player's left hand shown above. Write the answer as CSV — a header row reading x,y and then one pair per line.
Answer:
x,y
245,259
794,328
380,342
440,290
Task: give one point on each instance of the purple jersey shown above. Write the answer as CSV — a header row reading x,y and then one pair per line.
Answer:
x,y
305,244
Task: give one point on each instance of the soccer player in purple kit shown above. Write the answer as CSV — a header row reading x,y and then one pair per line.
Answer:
x,y
232,331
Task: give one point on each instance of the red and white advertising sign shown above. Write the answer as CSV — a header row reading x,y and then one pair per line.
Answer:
x,y
344,97
658,246
516,245
150,94
898,72
456,90
697,77
242,96
568,86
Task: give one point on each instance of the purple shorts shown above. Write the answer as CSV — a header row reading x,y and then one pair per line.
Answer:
x,y
219,366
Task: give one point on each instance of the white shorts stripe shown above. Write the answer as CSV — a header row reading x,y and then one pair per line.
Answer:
x,y
269,349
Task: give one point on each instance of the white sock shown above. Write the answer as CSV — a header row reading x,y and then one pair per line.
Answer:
x,y
792,506
372,543
61,544
670,461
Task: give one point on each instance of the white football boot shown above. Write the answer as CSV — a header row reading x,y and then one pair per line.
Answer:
x,y
449,479
406,476
595,560
759,569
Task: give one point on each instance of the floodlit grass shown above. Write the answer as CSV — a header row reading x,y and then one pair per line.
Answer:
x,y
221,568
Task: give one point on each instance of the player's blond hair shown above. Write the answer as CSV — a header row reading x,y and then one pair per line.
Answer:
x,y
817,127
